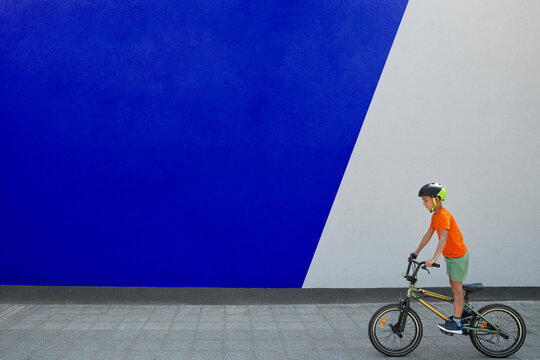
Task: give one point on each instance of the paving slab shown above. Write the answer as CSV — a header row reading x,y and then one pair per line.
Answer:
x,y
317,331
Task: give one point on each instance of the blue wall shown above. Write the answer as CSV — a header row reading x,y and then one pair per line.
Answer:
x,y
178,143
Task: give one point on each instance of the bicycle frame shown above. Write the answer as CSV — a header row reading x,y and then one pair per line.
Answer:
x,y
418,294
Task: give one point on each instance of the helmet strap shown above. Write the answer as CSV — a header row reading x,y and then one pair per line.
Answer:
x,y
434,205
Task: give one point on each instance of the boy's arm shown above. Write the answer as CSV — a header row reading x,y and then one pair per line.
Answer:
x,y
425,240
440,247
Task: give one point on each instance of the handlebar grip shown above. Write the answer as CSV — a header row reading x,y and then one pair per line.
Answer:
x,y
436,265
414,256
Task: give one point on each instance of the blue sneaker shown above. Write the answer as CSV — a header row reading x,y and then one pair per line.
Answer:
x,y
451,327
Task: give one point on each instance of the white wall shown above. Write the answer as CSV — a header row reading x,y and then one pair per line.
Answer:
x,y
459,103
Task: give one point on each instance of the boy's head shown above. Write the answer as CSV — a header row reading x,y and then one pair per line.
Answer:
x,y
432,194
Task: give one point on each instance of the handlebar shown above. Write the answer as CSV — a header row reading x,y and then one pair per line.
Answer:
x,y
416,267
414,256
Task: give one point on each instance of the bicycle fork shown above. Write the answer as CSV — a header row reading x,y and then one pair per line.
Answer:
x,y
399,327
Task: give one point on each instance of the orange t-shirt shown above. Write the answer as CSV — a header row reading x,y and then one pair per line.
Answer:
x,y
455,247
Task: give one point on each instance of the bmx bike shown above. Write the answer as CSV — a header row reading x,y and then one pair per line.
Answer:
x,y
496,330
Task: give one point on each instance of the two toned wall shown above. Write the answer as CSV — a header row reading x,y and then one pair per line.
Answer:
x,y
264,144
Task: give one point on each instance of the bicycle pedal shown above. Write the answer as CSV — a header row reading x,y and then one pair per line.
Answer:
x,y
446,333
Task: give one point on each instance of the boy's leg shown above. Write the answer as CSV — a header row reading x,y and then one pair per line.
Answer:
x,y
457,269
457,291
454,325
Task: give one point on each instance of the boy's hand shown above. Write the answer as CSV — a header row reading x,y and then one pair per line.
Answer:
x,y
429,263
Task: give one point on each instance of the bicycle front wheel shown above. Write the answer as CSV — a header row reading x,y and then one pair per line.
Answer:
x,y
508,340
385,335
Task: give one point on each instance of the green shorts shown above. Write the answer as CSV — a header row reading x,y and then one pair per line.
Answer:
x,y
457,268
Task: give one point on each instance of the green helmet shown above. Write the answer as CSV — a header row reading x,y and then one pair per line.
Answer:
x,y
433,190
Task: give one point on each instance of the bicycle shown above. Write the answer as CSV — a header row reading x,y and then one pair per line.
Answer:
x,y
495,330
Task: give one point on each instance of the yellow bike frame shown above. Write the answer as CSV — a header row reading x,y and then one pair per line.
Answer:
x,y
411,293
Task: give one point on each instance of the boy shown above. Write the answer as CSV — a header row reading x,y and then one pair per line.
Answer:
x,y
450,245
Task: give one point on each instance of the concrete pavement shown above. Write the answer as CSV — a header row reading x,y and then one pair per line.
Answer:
x,y
137,332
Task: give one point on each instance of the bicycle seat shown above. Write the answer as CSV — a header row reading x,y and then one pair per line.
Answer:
x,y
473,287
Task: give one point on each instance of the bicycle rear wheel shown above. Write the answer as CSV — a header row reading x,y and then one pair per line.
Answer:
x,y
386,337
508,341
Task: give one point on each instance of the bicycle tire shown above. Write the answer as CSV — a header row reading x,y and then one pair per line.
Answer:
x,y
383,337
511,324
